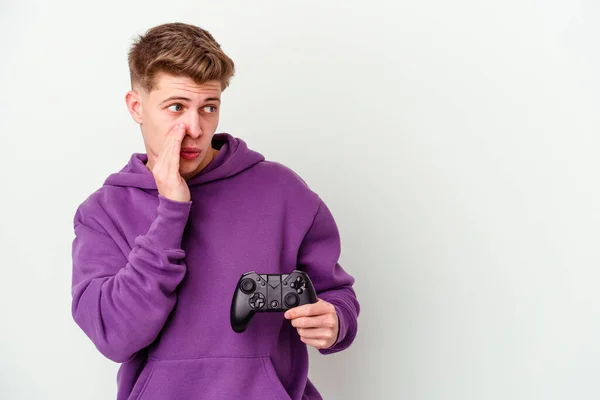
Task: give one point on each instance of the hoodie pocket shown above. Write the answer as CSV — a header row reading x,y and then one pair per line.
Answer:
x,y
212,378
142,381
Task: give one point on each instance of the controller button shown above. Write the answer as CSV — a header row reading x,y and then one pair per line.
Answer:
x,y
247,286
291,299
274,304
299,291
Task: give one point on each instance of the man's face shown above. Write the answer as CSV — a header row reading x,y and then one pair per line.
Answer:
x,y
175,100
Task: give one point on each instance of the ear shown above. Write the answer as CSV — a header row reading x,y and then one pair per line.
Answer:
x,y
134,105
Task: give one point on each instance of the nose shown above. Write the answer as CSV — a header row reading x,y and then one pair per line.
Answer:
x,y
193,127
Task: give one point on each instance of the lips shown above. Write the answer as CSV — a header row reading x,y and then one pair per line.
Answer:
x,y
190,150
189,153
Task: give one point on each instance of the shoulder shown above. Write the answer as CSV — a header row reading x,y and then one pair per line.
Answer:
x,y
97,207
281,172
287,180
286,176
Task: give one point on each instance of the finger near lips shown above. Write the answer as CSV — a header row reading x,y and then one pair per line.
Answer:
x,y
176,148
177,137
170,151
178,132
166,154
164,149
163,158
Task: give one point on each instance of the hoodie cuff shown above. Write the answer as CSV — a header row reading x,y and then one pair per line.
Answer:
x,y
346,327
167,229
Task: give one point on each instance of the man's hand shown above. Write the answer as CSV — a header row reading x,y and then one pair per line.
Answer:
x,y
169,181
317,324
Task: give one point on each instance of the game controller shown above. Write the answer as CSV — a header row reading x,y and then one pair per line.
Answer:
x,y
269,293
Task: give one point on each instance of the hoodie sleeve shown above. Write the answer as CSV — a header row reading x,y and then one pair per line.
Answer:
x,y
318,257
122,302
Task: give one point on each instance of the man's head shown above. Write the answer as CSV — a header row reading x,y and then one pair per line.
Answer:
x,y
178,72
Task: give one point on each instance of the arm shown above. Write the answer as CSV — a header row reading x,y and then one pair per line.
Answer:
x,y
121,298
318,257
122,302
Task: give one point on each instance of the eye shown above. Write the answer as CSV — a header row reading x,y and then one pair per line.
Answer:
x,y
177,107
210,109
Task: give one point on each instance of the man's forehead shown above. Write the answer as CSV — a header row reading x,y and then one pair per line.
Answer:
x,y
166,83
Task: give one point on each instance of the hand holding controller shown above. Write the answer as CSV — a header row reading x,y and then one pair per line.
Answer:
x,y
269,293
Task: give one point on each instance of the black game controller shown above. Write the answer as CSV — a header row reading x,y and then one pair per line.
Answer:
x,y
269,293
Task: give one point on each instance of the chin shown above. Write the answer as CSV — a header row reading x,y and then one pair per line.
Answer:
x,y
189,167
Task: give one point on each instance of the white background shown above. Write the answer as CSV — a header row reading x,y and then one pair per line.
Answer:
x,y
456,143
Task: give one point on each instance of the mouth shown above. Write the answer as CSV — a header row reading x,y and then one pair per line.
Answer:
x,y
189,153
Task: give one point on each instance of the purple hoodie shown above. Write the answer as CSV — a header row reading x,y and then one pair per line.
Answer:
x,y
153,279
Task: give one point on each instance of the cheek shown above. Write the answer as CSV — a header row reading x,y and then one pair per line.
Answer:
x,y
210,124
162,122
160,128
154,136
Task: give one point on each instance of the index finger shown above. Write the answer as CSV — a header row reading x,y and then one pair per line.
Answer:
x,y
171,136
176,135
308,310
177,131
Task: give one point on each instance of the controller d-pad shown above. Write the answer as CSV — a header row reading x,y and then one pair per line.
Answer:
x,y
257,300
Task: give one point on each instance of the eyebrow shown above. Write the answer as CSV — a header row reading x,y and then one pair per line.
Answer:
x,y
181,98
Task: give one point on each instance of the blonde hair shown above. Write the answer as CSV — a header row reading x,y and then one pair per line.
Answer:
x,y
178,49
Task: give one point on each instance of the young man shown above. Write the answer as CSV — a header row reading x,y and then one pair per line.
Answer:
x,y
161,246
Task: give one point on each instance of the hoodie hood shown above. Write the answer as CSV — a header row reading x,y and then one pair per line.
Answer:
x,y
234,157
